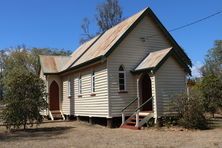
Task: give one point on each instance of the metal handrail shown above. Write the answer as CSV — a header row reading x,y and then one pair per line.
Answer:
x,y
136,112
144,104
129,104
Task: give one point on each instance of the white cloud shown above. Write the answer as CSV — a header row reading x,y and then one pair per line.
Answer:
x,y
196,69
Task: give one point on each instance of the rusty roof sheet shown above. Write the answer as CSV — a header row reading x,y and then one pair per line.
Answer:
x,y
96,47
153,59
53,64
78,52
101,44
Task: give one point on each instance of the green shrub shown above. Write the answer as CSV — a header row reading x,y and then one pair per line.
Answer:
x,y
190,110
211,87
24,99
169,120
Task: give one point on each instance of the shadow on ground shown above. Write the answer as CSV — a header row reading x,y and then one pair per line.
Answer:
x,y
45,133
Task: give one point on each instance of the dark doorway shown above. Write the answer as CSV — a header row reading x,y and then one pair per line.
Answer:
x,y
54,96
146,92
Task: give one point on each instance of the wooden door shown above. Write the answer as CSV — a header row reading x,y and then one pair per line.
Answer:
x,y
54,96
146,92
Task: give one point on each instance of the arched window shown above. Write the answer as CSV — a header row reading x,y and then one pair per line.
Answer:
x,y
122,78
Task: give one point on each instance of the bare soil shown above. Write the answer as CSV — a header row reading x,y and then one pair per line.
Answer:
x,y
75,134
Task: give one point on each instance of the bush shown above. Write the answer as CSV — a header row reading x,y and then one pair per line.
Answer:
x,y
24,99
211,87
169,120
190,110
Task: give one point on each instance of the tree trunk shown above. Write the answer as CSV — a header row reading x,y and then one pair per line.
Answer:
x,y
24,125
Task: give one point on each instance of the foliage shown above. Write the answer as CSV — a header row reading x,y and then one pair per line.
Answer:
x,y
168,120
211,87
108,14
35,52
29,58
190,110
213,60
24,91
86,36
24,98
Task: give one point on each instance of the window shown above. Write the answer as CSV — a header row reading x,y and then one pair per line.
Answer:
x,y
93,82
122,78
69,88
80,85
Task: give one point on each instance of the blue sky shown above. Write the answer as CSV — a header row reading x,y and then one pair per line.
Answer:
x,y
56,23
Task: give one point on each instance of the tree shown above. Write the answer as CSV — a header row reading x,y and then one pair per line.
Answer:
x,y
211,83
24,91
108,14
213,60
211,87
86,33
3,55
190,110
24,98
28,58
35,52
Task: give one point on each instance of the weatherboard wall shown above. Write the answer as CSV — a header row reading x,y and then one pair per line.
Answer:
x,y
170,81
87,103
144,38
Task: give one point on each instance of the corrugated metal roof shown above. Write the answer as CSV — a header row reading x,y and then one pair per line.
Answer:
x,y
101,46
79,52
153,59
53,64
96,47
103,43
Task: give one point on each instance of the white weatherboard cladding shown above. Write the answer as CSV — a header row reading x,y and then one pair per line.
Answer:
x,y
130,53
170,80
87,104
68,101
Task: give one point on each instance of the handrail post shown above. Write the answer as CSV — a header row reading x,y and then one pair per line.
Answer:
x,y
137,119
123,110
123,118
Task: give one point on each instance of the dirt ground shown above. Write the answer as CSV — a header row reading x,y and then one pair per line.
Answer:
x,y
82,135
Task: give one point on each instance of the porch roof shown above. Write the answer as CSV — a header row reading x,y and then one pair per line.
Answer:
x,y
153,59
53,64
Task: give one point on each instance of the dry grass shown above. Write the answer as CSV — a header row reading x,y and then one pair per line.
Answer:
x,y
75,134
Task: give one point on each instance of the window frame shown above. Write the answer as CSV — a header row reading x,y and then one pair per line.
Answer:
x,y
69,88
124,78
80,85
93,82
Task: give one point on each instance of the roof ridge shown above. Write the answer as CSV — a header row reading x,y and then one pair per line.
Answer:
x,y
98,36
55,55
126,19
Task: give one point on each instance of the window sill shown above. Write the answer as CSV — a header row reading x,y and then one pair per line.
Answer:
x,y
79,96
92,94
123,91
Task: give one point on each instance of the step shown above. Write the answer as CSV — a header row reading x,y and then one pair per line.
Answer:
x,y
134,118
131,123
144,114
130,127
55,112
57,115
